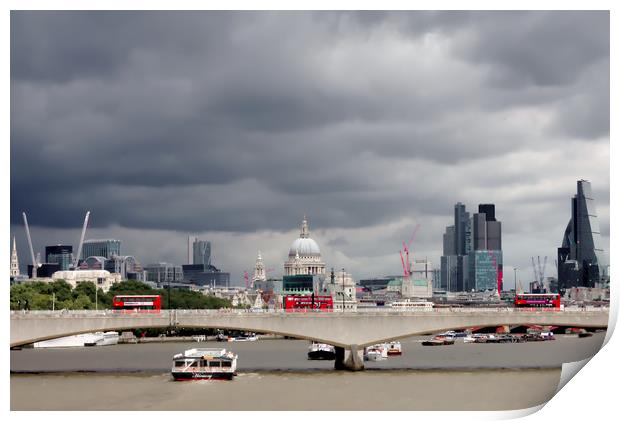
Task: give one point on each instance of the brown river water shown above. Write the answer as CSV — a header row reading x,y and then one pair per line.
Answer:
x,y
274,374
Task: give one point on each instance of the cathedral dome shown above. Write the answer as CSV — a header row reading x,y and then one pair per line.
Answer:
x,y
306,247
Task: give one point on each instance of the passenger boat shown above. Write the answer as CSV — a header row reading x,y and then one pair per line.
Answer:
x,y
319,351
394,348
204,364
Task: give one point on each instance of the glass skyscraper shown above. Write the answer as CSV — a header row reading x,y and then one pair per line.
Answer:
x,y
104,248
472,251
581,259
61,254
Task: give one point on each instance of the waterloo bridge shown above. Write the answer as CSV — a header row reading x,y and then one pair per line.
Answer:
x,y
349,332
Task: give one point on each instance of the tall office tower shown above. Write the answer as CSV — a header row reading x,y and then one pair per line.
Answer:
x,y
14,261
61,254
202,252
486,257
472,251
581,259
461,218
103,248
456,245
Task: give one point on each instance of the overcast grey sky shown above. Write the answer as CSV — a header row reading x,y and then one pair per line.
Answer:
x,y
231,126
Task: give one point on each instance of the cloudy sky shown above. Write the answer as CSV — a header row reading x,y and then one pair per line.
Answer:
x,y
231,126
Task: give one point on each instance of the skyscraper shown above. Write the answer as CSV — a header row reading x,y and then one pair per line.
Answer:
x,y
472,251
63,255
581,258
104,248
202,252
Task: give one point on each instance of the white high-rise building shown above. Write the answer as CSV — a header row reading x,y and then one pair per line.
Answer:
x,y
14,261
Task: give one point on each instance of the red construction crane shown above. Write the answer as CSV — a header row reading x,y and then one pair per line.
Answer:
x,y
405,259
247,279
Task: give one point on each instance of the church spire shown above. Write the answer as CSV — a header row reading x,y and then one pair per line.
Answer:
x,y
14,261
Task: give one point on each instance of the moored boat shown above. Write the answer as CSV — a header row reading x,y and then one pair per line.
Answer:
x,y
319,351
394,348
204,364
439,340
251,337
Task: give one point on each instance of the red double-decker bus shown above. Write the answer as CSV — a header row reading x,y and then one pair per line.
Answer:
x,y
537,300
308,302
137,303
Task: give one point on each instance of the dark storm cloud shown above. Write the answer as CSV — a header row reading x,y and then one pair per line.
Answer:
x,y
239,121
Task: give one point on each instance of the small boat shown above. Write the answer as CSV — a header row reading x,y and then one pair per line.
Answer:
x,y
204,364
439,340
220,337
319,351
243,338
584,334
394,348
374,353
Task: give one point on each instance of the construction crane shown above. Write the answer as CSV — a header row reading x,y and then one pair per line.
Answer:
x,y
536,277
35,262
405,259
539,270
76,258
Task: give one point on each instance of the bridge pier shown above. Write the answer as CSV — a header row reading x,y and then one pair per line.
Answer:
x,y
349,359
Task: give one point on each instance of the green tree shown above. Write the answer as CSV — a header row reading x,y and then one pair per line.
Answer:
x,y
62,290
82,302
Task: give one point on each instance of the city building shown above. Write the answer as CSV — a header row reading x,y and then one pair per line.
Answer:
x,y
269,286
201,252
201,274
301,284
162,273
472,251
127,266
375,284
61,254
14,261
416,287
44,270
581,259
304,256
105,248
101,278
341,287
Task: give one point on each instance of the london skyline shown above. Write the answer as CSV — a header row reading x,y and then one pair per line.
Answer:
x,y
231,126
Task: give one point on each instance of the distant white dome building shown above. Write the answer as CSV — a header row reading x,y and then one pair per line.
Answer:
x,y
304,256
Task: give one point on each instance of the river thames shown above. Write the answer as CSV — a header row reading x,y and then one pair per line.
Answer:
x,y
274,374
